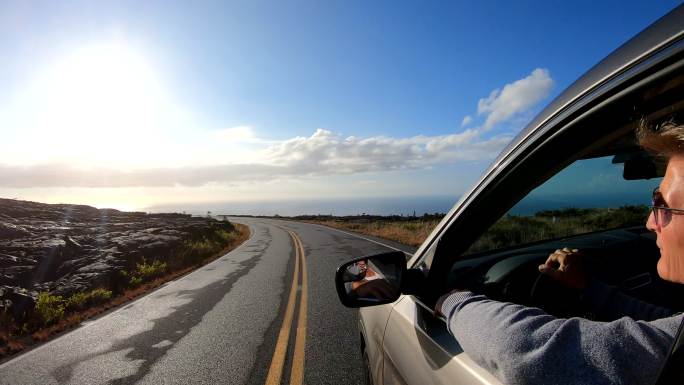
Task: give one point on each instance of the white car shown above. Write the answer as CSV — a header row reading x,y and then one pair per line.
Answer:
x,y
574,176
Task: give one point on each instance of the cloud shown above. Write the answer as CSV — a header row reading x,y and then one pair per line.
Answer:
x,y
321,154
64,175
236,154
515,98
326,152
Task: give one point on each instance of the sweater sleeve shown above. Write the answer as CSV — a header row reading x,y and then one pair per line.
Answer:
x,y
523,345
609,303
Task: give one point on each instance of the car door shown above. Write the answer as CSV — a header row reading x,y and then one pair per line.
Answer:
x,y
417,346
418,349
598,112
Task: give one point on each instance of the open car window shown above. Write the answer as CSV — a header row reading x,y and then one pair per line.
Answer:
x,y
595,205
588,196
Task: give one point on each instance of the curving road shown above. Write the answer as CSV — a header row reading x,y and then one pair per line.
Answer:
x,y
223,322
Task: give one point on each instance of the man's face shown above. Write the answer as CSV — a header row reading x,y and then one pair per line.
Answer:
x,y
362,266
670,236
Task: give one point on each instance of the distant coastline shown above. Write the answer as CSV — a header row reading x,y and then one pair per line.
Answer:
x,y
385,206
388,206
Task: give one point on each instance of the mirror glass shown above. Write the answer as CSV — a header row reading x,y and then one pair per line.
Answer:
x,y
371,280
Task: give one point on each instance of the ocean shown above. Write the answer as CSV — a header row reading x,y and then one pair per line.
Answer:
x,y
338,207
406,206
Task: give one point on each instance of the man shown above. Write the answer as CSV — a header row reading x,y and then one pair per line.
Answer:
x,y
363,269
354,273
373,285
367,274
520,345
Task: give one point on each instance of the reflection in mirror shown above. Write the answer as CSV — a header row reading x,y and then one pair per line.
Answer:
x,y
370,284
372,280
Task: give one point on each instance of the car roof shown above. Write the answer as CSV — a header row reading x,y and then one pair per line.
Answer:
x,y
662,33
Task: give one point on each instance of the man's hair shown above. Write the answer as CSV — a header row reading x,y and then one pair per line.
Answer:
x,y
665,139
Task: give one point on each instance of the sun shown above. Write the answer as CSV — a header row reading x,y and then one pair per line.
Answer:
x,y
101,103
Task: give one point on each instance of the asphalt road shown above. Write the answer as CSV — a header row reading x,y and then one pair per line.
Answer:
x,y
221,323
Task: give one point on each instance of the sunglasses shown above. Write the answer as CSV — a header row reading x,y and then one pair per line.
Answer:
x,y
661,213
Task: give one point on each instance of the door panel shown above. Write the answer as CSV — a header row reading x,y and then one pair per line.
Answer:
x,y
419,350
372,323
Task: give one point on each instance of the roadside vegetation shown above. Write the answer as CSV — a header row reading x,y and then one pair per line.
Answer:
x,y
507,231
549,224
55,313
409,230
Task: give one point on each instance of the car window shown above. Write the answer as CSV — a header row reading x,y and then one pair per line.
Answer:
x,y
589,205
587,196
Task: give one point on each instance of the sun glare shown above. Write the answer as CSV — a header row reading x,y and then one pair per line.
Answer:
x,y
101,104
124,199
102,82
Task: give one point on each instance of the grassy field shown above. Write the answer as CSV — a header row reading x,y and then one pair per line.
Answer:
x,y
410,231
549,224
507,231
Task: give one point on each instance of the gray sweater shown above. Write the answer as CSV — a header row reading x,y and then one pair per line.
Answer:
x,y
524,345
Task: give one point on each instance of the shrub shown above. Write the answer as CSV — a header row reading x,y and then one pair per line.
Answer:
x,y
49,307
226,236
76,301
145,272
100,294
202,246
85,299
135,281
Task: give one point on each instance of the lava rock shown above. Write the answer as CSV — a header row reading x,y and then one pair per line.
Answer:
x,y
64,249
10,231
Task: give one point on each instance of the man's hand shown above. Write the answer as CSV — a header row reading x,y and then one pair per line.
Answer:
x,y
567,267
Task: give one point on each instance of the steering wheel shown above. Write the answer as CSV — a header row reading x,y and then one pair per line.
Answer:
x,y
555,298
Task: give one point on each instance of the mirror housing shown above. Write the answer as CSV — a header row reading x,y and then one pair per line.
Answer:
x,y
640,165
371,280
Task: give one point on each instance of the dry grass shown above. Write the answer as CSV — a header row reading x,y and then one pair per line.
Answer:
x,y
12,343
408,232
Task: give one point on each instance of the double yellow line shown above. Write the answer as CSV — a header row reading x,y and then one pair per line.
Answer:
x,y
275,372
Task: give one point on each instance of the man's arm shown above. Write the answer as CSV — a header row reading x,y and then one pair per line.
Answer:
x,y
521,345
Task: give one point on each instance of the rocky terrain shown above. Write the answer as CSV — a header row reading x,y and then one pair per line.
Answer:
x,y
65,249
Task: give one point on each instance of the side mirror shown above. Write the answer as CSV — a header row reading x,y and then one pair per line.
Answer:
x,y
371,280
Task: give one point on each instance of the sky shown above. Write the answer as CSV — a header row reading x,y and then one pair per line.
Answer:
x,y
221,105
